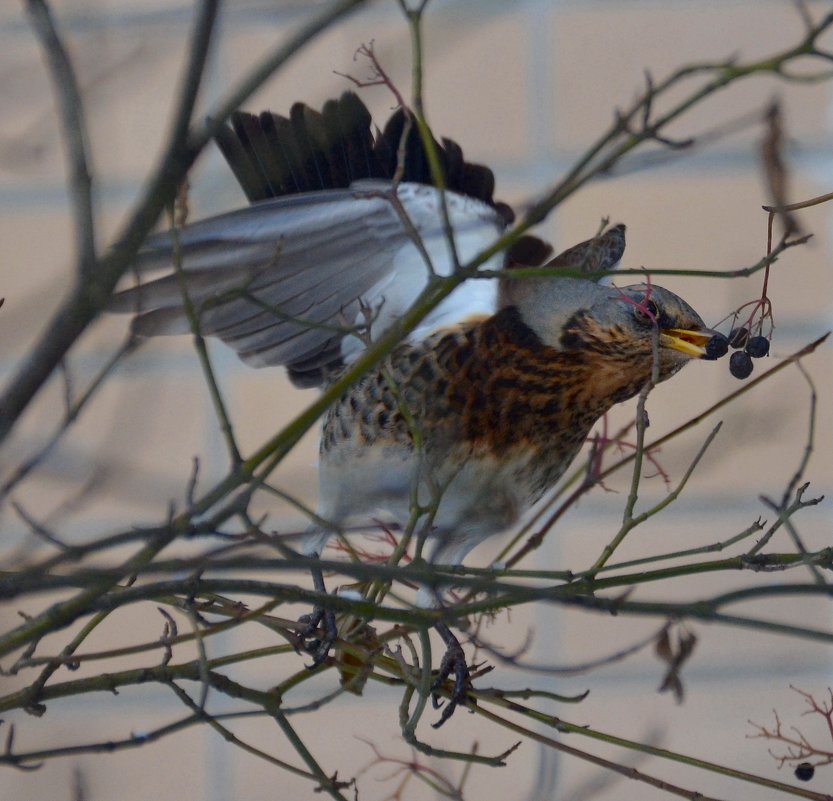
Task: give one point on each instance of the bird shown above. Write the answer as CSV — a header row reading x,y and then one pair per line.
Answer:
x,y
479,409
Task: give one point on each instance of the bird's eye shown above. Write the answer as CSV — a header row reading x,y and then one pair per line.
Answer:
x,y
646,313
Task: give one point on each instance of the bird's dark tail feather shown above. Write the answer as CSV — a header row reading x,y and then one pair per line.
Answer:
x,y
272,155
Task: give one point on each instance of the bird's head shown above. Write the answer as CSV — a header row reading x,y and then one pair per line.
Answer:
x,y
618,332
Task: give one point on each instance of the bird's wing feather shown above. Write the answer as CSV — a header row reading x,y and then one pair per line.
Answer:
x,y
281,280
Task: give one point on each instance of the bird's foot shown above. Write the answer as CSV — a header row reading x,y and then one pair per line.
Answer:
x,y
454,661
309,639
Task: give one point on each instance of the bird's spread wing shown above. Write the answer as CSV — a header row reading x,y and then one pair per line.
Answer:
x,y
326,244
282,280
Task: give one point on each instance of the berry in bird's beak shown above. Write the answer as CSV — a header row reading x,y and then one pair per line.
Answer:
x,y
691,343
717,347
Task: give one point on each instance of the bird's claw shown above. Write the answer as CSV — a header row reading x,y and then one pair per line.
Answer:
x,y
454,661
309,641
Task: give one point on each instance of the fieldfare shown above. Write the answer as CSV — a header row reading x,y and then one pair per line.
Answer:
x,y
483,406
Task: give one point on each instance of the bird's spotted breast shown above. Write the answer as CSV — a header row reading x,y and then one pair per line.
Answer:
x,y
489,391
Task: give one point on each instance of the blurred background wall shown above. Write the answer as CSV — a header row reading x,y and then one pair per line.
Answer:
x,y
524,87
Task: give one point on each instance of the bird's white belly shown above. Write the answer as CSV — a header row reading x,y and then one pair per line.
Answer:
x,y
469,504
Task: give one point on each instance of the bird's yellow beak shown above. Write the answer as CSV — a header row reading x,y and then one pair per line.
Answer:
x,y
692,343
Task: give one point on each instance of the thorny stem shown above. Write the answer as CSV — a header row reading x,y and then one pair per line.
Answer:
x,y
786,504
478,581
770,258
328,785
229,737
630,522
34,690
423,689
636,472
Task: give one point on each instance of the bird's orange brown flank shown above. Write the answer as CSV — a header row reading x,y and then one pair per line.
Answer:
x,y
489,389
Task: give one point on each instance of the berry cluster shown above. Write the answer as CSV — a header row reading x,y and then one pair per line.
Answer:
x,y
746,348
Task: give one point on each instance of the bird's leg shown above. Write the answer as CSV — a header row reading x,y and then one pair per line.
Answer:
x,y
454,661
319,647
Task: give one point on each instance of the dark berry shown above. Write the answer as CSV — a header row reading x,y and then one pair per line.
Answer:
x,y
716,347
804,772
738,337
740,364
758,347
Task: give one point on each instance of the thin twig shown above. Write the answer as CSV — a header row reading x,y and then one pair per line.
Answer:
x,y
75,137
